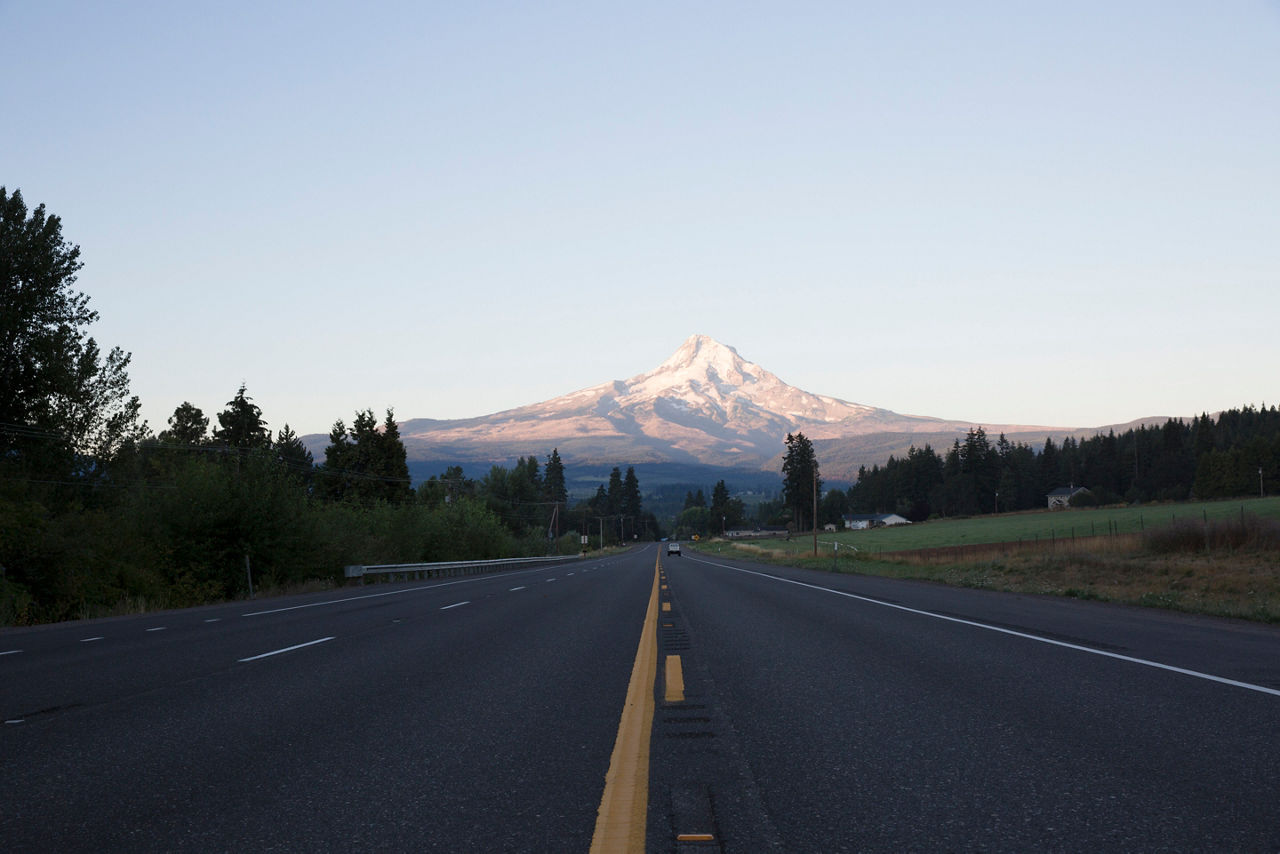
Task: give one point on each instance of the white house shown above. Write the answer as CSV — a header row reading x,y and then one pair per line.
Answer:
x,y
1060,498
861,522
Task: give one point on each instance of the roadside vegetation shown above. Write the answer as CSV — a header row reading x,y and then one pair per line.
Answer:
x,y
1220,558
100,516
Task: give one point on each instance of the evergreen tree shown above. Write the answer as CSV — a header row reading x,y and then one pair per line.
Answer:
x,y
614,493
293,455
240,425
719,496
631,499
726,511
188,425
800,478
364,462
553,483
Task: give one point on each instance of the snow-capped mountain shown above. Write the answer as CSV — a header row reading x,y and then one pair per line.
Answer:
x,y
706,404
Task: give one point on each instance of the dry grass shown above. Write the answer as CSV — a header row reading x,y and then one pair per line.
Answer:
x,y
1238,575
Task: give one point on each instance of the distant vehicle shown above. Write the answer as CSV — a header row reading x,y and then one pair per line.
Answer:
x,y
673,548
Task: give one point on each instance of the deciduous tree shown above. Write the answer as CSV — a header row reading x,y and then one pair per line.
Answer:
x,y
63,405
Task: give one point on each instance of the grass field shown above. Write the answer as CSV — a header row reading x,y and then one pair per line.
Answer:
x,y
1104,553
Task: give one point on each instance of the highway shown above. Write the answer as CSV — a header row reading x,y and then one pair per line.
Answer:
x,y
469,715
818,713
852,713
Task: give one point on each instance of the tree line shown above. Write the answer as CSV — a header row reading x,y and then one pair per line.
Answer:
x,y
99,515
1233,455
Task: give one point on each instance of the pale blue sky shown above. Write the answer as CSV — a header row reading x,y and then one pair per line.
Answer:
x,y
1017,212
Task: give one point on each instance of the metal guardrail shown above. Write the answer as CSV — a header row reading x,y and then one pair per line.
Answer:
x,y
449,569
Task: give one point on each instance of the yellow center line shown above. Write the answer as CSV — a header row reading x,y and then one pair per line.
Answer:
x,y
674,691
620,821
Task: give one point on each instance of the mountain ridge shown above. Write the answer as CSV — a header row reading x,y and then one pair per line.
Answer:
x,y
705,405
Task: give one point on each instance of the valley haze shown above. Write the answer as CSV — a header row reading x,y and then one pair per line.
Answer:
x,y
703,412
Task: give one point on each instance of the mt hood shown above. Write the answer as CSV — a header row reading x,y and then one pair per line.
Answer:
x,y
705,404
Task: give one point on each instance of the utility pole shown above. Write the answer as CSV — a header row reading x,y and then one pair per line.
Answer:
x,y
815,506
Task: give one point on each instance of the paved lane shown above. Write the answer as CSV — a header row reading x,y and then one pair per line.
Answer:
x,y
840,724
475,716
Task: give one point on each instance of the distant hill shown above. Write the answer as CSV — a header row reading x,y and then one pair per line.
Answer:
x,y
706,408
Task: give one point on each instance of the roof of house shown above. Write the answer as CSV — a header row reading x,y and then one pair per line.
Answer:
x,y
870,517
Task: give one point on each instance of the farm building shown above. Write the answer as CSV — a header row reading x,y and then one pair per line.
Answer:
x,y
860,522
749,533
1060,498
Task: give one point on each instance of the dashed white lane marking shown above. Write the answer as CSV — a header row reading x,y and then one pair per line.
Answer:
x,y
1262,689
158,629
91,640
514,589
286,649
549,580
400,592
456,605
11,652
214,620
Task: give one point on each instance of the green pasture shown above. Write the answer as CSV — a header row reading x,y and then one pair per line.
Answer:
x,y
1043,525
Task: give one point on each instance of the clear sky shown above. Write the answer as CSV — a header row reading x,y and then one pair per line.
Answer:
x,y
1008,212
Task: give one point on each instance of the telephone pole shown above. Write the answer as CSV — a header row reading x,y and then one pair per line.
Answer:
x,y
815,505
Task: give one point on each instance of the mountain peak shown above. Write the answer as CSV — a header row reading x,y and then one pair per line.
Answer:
x,y
703,364
700,349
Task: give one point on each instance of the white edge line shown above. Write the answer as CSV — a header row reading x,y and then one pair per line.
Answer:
x,y
1143,661
455,605
286,649
397,592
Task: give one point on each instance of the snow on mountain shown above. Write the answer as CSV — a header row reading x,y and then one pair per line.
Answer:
x,y
705,404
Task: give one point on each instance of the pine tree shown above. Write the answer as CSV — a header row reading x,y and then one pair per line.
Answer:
x,y
631,498
614,493
365,462
293,455
188,425
800,478
553,483
240,425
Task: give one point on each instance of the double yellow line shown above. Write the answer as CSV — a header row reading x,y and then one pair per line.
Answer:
x,y
620,822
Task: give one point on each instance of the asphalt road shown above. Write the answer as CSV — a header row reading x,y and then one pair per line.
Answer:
x,y
841,713
821,713
475,715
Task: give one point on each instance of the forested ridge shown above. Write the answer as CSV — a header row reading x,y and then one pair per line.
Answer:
x,y
1234,454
